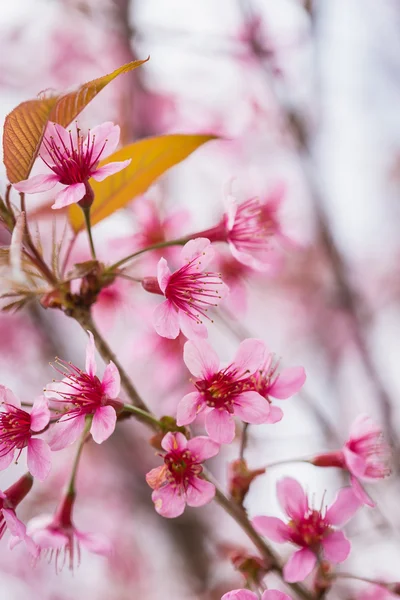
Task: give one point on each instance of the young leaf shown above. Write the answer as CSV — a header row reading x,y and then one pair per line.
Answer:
x,y
151,157
24,127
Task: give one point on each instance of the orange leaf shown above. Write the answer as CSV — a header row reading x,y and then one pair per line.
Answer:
x,y
24,127
150,158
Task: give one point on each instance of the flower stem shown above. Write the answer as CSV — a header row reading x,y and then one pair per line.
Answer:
x,y
71,485
86,212
143,415
119,263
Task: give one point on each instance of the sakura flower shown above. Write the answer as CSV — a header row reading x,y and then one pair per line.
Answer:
x,y
225,392
248,595
189,292
311,529
365,455
57,537
178,482
73,160
271,384
9,501
17,430
82,395
252,230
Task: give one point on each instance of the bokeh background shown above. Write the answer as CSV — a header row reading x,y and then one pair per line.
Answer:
x,y
304,95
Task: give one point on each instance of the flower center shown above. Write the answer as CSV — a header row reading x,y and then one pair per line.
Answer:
x,y
82,391
265,377
181,467
15,429
310,530
75,161
222,388
253,226
375,452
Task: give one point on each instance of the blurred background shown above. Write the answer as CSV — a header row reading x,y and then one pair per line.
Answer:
x,y
304,96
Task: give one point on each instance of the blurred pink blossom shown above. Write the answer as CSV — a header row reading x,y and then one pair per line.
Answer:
x,y
248,595
9,501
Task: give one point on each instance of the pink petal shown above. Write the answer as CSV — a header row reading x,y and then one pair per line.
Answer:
x,y
361,494
5,459
199,249
155,478
66,431
220,426
336,547
288,382
251,408
355,463
16,248
94,542
36,184
273,528
250,356
39,458
274,595
240,595
90,365
203,448
191,328
110,169
174,441
168,502
107,133
292,498
275,415
363,425
200,358
7,397
103,424
299,565
165,320
16,527
40,414
231,207
199,492
163,274
265,262
343,508
111,382
69,195
188,408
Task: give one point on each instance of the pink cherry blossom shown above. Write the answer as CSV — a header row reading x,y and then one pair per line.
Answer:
x,y
178,482
57,537
248,595
365,455
190,292
82,394
9,501
18,429
311,529
252,230
223,393
281,385
73,160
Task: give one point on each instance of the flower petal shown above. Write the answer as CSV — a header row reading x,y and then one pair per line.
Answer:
x,y
163,274
39,458
220,426
174,441
37,184
361,494
355,463
251,408
203,448
103,424
6,457
95,542
343,508
69,195
299,565
168,501
188,408
191,328
240,595
199,492
66,431
200,249
156,477
7,397
292,498
165,320
110,169
288,382
40,414
90,365
200,358
336,547
111,382
105,139
273,528
364,425
275,415
275,595
250,356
